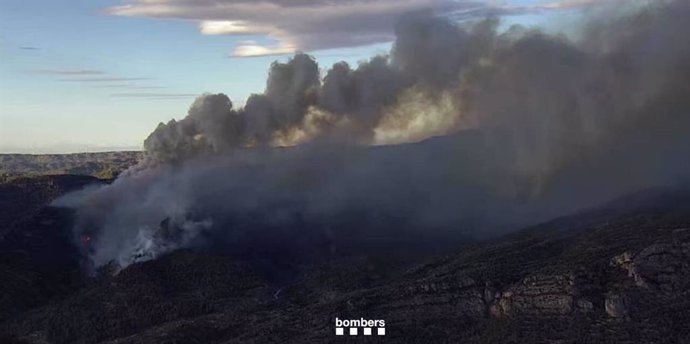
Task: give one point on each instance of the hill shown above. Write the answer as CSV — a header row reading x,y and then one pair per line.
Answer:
x,y
613,274
102,165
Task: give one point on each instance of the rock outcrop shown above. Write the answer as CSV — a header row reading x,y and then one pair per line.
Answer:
x,y
538,294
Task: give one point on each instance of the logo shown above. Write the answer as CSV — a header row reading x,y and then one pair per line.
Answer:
x,y
360,326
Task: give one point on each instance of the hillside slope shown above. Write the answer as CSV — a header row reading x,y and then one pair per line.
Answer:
x,y
614,274
106,165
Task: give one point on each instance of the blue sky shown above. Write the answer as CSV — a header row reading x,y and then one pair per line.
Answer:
x,y
85,75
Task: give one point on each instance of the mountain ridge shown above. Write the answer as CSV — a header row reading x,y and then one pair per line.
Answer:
x,y
615,273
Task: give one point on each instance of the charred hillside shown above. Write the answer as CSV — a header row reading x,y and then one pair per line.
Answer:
x,y
38,257
615,274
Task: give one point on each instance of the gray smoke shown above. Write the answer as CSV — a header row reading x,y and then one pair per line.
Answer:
x,y
533,125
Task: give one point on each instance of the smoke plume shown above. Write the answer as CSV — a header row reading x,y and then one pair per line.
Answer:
x,y
512,127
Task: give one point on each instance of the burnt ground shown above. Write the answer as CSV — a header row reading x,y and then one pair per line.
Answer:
x,y
614,274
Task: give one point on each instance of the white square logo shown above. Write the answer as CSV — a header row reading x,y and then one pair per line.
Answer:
x,y
351,327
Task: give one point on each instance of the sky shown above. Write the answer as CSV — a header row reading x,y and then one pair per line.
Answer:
x,y
95,75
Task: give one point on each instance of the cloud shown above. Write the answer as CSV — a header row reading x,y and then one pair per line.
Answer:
x,y
70,72
145,87
130,87
319,24
104,79
154,96
114,86
252,49
88,75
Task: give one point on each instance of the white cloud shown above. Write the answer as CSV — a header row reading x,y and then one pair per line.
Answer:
x,y
247,50
229,27
318,24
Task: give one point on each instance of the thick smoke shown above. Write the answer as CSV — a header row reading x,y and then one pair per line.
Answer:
x,y
347,107
534,126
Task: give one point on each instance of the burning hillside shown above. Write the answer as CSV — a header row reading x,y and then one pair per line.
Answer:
x,y
535,125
